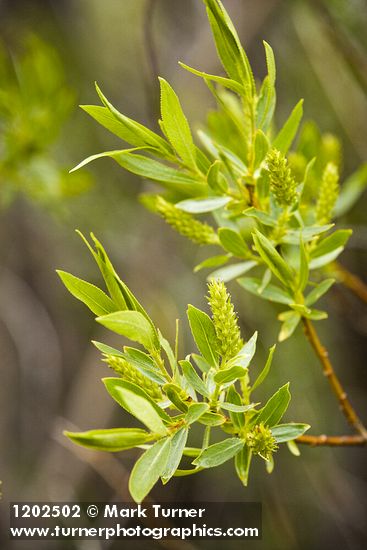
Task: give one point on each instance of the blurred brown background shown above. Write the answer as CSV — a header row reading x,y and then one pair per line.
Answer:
x,y
50,373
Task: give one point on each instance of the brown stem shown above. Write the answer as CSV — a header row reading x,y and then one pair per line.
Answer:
x,y
345,405
332,440
351,281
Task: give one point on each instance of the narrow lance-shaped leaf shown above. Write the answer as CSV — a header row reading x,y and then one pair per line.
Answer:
x,y
170,178
178,442
148,469
111,440
233,242
217,454
273,259
195,411
193,378
285,137
176,125
135,133
264,373
270,292
127,129
225,82
275,408
200,206
93,297
229,375
133,325
204,334
287,432
136,402
318,291
242,464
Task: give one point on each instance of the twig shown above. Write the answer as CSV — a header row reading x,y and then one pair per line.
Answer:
x,y
351,281
332,440
334,382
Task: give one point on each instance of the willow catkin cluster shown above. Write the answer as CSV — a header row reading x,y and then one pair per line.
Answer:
x,y
131,374
261,441
224,320
185,224
328,194
282,182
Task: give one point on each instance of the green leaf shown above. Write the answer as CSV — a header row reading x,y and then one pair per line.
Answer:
x,y
273,259
285,137
176,126
107,350
216,180
136,134
120,293
351,190
213,261
170,178
242,463
92,296
177,396
270,292
222,81
144,363
233,242
275,408
201,363
289,325
193,378
212,419
199,206
178,442
112,440
331,243
204,334
229,375
217,454
287,432
195,411
303,267
246,353
148,469
237,408
230,51
264,373
132,325
270,62
265,105
135,401
306,233
130,131
232,271
320,261
261,147
260,216
234,398
318,291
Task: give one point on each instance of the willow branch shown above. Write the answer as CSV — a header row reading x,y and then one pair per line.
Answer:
x,y
332,440
323,356
351,281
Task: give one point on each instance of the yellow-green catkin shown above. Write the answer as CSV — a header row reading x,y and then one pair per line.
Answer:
x,y
261,441
185,224
131,374
282,182
328,194
224,320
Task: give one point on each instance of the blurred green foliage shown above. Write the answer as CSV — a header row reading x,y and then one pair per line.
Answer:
x,y
35,102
